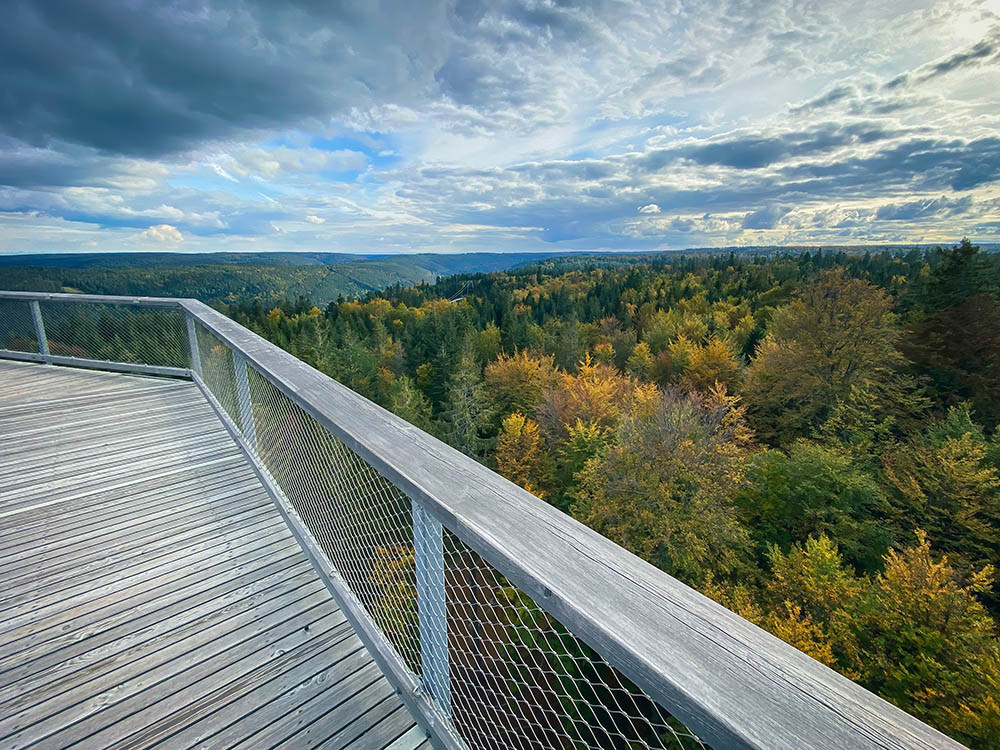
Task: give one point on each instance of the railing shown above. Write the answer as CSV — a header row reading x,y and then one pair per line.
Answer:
x,y
502,622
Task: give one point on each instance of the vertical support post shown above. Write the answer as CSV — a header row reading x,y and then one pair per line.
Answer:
x,y
243,398
36,316
428,547
193,346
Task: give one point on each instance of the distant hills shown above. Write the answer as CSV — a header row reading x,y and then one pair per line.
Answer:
x,y
321,277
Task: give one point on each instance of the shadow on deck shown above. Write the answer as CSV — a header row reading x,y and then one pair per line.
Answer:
x,y
151,593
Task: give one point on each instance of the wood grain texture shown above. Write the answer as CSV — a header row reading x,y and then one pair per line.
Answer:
x,y
732,683
150,592
99,298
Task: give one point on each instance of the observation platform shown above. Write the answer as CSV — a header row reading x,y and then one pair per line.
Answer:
x,y
205,542
150,591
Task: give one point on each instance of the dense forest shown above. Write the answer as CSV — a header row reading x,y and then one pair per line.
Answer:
x,y
227,277
809,439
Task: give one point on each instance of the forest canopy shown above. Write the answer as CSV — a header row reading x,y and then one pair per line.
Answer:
x,y
809,439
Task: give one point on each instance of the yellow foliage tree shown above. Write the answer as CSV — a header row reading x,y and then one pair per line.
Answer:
x,y
519,382
520,454
640,362
715,363
837,334
930,647
663,488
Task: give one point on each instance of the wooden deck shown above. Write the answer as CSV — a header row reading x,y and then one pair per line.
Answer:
x,y
150,593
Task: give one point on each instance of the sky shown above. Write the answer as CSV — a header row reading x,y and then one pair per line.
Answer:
x,y
427,126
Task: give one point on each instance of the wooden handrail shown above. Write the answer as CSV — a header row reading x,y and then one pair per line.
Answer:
x,y
732,683
729,681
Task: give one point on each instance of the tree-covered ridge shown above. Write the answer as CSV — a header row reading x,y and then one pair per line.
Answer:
x,y
229,277
811,440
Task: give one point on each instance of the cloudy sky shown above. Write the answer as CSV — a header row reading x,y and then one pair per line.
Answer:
x,y
372,126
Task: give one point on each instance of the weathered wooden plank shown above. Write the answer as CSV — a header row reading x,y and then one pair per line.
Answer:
x,y
17,373
230,586
135,570
98,478
157,646
365,734
256,707
171,535
50,395
110,451
409,740
31,543
65,447
81,556
251,596
146,698
194,445
142,497
97,364
728,680
100,414
99,298
99,407
205,711
44,390
28,631
286,713
319,725
187,664
17,555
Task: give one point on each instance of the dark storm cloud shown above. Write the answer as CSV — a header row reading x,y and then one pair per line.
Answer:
x,y
753,151
151,77
836,94
986,50
975,55
765,217
869,96
921,209
30,168
588,199
926,163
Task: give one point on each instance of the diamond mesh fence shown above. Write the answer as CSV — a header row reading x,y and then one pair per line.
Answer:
x,y
504,671
17,331
116,333
217,371
514,677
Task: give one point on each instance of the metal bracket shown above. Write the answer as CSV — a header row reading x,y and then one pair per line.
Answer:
x,y
243,398
193,346
428,547
36,316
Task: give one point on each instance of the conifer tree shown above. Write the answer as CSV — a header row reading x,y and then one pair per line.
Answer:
x,y
466,416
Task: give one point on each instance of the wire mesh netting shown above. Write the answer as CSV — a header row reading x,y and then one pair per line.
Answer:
x,y
504,671
116,333
217,371
515,678
17,331
520,679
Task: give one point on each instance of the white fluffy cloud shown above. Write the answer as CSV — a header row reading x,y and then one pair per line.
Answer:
x,y
521,124
163,233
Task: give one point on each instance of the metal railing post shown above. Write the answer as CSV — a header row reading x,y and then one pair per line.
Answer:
x,y
36,316
243,398
428,547
193,345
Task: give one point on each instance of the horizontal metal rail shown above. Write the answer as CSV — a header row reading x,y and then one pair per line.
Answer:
x,y
97,364
101,299
731,683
